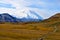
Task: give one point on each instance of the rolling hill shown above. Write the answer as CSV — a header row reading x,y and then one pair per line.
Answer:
x,y
54,21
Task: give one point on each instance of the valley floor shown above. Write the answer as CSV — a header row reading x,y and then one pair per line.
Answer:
x,y
30,31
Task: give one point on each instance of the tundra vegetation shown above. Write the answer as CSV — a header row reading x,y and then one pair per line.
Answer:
x,y
48,29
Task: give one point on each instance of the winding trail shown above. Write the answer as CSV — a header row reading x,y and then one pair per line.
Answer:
x,y
44,36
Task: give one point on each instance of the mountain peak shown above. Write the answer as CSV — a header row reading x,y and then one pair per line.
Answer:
x,y
31,14
5,14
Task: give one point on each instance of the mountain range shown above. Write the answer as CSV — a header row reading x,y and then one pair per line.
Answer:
x,y
5,17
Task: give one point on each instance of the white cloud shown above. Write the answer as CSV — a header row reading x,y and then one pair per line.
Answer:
x,y
22,5
6,10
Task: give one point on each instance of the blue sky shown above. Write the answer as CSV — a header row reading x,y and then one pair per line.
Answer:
x,y
6,5
45,8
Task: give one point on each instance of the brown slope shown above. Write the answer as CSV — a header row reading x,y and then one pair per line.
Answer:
x,y
54,21
55,17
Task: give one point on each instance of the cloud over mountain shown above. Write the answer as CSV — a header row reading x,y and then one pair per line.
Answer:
x,y
44,8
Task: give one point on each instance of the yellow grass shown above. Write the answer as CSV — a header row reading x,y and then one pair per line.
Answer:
x,y
23,32
31,31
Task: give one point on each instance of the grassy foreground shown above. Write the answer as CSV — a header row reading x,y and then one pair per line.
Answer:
x,y
30,31
48,29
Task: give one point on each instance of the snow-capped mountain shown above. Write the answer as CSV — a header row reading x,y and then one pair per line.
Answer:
x,y
5,17
31,16
23,15
28,14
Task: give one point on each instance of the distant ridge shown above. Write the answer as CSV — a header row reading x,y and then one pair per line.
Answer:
x,y
5,17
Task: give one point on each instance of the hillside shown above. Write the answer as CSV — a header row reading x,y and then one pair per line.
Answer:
x,y
54,21
48,29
